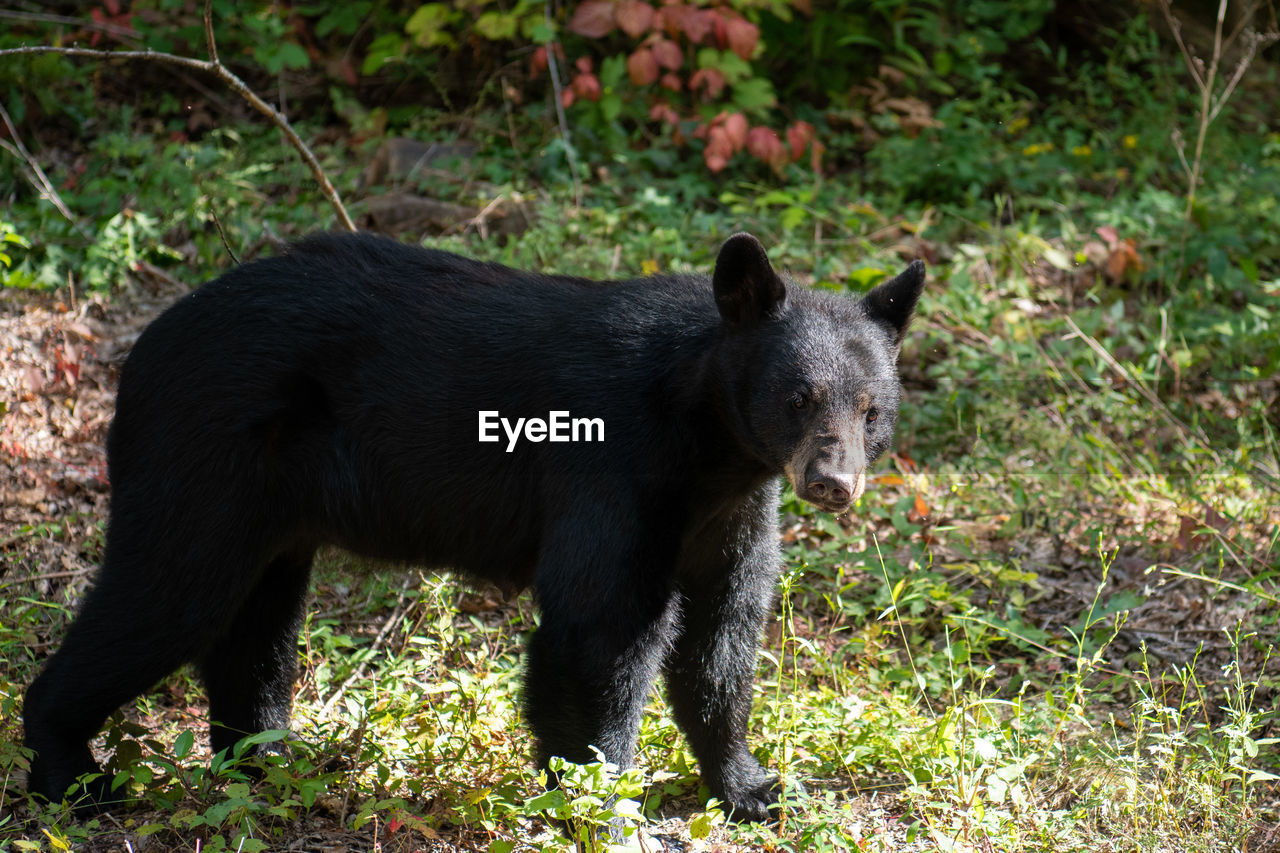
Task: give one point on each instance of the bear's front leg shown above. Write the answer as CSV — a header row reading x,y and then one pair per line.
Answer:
x,y
727,589
607,616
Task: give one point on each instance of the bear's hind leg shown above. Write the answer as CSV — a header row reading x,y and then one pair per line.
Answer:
x,y
250,668
127,636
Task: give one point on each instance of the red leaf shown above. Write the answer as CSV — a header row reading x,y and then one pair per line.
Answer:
x,y
672,81
711,79
743,36
567,98
763,144
587,86
584,64
696,23
667,53
664,113
538,62
593,19
671,18
720,24
642,67
1108,233
634,17
1123,257
921,506
735,126
719,149
799,135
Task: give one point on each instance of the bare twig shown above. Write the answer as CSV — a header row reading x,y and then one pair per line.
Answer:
x,y
1190,435
480,221
233,82
45,577
387,625
208,31
1211,101
226,244
113,30
554,68
42,182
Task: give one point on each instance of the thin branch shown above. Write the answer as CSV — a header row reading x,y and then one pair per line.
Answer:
x,y
359,672
1180,146
208,30
42,183
232,81
1255,41
213,211
1242,21
554,68
1190,435
113,30
1176,27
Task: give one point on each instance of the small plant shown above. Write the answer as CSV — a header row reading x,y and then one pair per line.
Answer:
x,y
10,238
593,801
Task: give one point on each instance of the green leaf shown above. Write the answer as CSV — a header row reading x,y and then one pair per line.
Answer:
x,y
548,801
385,48
537,30
497,26
427,26
1057,258
183,744
293,56
733,67
612,70
701,825
610,106
794,217
754,94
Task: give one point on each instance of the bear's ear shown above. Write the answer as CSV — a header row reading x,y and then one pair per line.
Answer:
x,y
746,287
892,302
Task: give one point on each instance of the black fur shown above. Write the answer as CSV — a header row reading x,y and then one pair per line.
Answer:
x,y
330,396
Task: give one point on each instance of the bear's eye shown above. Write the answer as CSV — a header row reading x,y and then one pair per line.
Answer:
x,y
799,400
872,414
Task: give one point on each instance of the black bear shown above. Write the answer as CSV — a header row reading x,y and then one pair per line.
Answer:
x,y
616,446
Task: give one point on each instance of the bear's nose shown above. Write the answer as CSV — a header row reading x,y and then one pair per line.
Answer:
x,y
831,488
